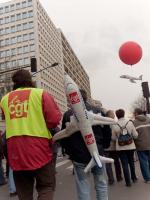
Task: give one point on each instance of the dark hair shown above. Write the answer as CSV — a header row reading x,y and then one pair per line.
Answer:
x,y
120,113
138,111
84,95
22,78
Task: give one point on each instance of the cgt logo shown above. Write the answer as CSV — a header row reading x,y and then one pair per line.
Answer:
x,y
18,104
89,139
74,98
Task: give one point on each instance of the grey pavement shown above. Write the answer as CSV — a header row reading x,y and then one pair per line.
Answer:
x,y
66,187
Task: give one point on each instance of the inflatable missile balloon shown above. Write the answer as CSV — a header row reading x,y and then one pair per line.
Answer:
x,y
83,123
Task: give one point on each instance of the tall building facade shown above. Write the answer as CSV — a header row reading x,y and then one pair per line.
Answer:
x,y
26,31
73,66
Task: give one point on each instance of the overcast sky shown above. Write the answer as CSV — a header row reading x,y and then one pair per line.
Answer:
x,y
96,29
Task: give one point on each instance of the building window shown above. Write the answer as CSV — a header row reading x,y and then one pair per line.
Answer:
x,y
31,36
7,41
30,13
25,49
2,31
14,63
30,24
1,21
12,18
25,26
26,61
1,10
29,2
24,4
32,47
7,53
13,40
18,16
12,7
2,43
13,29
6,19
25,37
24,15
2,54
19,38
20,62
19,27
13,52
18,5
7,9
19,50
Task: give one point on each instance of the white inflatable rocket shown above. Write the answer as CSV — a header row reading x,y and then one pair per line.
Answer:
x,y
83,123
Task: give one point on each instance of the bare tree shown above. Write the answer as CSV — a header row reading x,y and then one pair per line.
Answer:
x,y
140,102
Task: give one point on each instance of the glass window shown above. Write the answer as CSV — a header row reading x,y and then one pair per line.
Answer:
x,y
1,10
14,63
13,40
24,4
18,5
2,54
13,29
1,20
20,62
13,52
32,47
18,16
7,30
19,38
29,2
12,7
12,18
7,41
19,27
24,15
2,43
2,31
31,36
6,8
25,37
26,61
25,49
8,52
30,24
30,13
6,19
19,50
25,26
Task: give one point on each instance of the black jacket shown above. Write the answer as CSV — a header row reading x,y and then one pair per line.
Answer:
x,y
75,146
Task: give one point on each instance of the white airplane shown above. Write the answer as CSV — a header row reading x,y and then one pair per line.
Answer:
x,y
83,120
131,78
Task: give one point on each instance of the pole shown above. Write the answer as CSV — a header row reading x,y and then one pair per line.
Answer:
x,y
147,105
53,65
14,69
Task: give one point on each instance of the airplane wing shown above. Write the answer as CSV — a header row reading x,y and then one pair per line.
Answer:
x,y
132,81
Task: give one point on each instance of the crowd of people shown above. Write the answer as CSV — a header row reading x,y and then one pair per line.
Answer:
x,y
32,118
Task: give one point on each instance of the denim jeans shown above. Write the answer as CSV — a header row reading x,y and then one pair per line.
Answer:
x,y
2,178
12,187
83,185
127,160
144,158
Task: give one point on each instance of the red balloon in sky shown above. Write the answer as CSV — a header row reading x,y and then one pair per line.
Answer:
x,y
130,53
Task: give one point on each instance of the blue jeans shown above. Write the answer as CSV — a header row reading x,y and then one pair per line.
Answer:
x,y
12,187
83,185
2,178
144,158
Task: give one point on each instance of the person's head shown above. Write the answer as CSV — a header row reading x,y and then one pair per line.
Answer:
x,y
110,113
83,94
22,78
138,111
120,113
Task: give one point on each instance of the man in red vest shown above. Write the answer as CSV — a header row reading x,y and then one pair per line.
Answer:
x,y
29,114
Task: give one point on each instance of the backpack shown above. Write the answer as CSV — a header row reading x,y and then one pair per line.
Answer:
x,y
124,139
